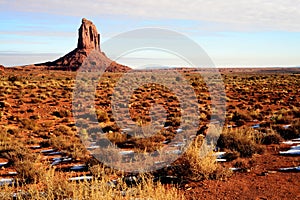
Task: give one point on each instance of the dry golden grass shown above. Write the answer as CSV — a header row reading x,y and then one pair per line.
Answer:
x,y
55,186
23,93
196,167
245,141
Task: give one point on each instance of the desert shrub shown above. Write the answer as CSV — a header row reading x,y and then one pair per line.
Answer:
x,y
281,119
17,152
195,167
244,140
29,124
102,116
240,116
271,138
231,155
34,117
255,114
116,137
146,145
69,145
62,113
14,131
6,141
157,138
56,187
288,133
241,164
240,123
14,78
29,170
110,128
296,112
25,162
63,130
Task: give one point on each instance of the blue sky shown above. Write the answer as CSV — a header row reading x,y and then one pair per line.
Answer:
x,y
234,33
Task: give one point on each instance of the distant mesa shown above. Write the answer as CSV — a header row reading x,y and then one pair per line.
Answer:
x,y
88,40
2,68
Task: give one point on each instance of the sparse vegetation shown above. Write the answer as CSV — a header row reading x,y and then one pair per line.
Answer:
x,y
244,140
35,109
195,167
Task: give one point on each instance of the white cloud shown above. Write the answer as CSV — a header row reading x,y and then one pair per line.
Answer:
x,y
233,14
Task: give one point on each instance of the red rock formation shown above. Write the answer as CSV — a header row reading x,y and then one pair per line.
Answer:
x,y
2,68
88,40
88,36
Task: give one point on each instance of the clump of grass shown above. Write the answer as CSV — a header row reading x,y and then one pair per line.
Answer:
x,y
243,140
62,113
69,145
238,116
102,116
116,137
271,137
63,130
29,124
281,118
241,164
291,132
27,165
55,186
193,166
146,145
7,142
29,170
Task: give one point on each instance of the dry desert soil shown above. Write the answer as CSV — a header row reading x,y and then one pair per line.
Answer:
x,y
262,121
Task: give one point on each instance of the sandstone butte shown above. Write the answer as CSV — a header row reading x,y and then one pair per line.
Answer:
x,y
88,40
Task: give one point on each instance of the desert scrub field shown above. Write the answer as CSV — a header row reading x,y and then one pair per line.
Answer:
x,y
40,142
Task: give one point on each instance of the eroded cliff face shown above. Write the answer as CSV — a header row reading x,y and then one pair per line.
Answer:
x,y
88,36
